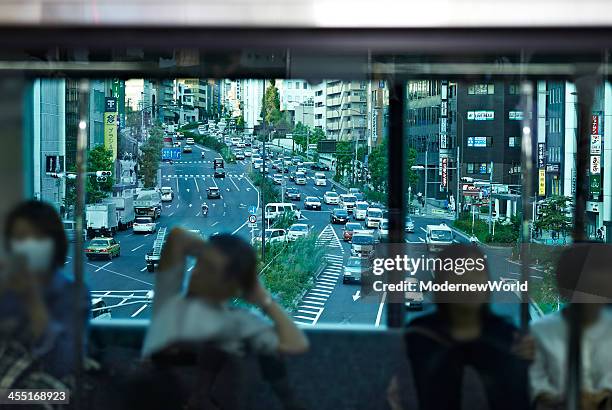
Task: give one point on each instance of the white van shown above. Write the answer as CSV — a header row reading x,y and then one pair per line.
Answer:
x,y
320,179
438,236
167,194
276,209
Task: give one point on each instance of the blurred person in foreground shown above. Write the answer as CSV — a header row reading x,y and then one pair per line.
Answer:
x,y
463,333
584,280
225,269
37,297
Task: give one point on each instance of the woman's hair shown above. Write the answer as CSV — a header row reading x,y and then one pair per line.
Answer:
x,y
46,220
242,263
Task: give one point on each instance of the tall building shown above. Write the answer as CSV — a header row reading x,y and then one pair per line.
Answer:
x,y
163,100
46,128
141,95
252,92
319,98
346,110
72,121
97,93
378,112
184,98
292,93
202,99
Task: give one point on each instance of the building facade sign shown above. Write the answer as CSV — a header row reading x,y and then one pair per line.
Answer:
x,y
110,125
482,115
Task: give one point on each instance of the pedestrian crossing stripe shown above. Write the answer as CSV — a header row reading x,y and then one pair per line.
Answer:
x,y
239,176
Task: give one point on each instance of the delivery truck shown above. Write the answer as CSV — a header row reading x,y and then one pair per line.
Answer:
x,y
101,219
148,203
125,211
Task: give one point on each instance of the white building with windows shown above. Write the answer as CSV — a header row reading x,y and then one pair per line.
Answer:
x,y
252,92
293,93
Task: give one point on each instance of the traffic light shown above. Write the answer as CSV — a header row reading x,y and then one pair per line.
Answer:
x,y
101,179
104,173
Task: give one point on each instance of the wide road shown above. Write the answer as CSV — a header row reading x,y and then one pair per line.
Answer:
x,y
126,286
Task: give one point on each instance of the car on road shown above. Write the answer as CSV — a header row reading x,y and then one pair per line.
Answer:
x,y
362,244
187,149
297,231
219,173
360,196
383,229
348,201
317,166
99,311
301,169
167,194
331,198
409,226
320,179
202,155
144,224
355,268
349,229
103,247
353,191
239,155
70,230
189,141
264,170
438,236
413,296
296,160
257,163
300,178
360,211
277,179
275,209
248,152
212,192
339,216
293,194
176,144
273,236
312,202
373,217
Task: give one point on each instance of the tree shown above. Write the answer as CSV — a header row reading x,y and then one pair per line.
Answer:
x,y
344,156
554,214
148,163
270,107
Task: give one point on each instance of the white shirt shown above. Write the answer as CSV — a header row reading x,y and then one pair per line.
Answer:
x,y
548,373
177,318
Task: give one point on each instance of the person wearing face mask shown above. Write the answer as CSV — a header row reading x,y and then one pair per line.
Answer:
x,y
460,337
37,297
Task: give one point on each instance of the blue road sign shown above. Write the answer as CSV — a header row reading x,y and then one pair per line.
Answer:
x,y
171,153
252,209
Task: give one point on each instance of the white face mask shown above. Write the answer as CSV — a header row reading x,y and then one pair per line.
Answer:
x,y
38,253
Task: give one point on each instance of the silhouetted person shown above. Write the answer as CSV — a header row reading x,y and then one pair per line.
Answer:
x,y
584,280
463,333
37,298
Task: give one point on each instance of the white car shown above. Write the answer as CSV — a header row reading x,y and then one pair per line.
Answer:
x,y
360,211
190,141
312,202
247,152
300,178
144,225
297,231
320,179
273,236
348,202
331,198
383,229
167,194
373,217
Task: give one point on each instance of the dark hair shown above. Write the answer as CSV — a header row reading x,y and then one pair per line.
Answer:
x,y
46,219
242,264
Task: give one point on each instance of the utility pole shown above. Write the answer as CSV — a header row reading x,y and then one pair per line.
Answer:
x,y
490,198
425,197
263,200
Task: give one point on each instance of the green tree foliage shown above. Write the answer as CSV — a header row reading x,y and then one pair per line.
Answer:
x,y
148,163
304,135
554,214
270,109
268,191
99,159
344,159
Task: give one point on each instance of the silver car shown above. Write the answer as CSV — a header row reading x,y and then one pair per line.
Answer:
x,y
354,269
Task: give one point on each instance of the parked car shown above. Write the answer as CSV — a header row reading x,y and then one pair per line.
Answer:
x,y
409,225
355,268
339,216
349,229
312,202
144,224
212,192
219,173
103,247
297,231
293,194
331,198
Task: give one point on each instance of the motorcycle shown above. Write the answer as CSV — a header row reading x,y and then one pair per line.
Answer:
x,y
204,210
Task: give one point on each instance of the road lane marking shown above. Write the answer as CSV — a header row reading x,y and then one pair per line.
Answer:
x,y
172,213
138,247
104,266
139,310
196,184
124,275
232,181
380,309
215,223
143,269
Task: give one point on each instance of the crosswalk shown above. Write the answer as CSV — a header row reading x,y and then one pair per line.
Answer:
x,y
136,301
312,305
329,238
